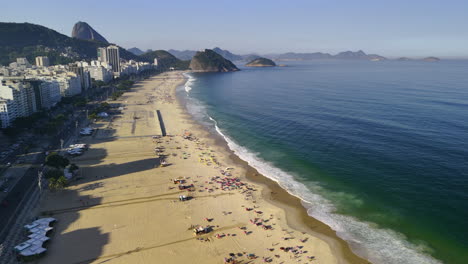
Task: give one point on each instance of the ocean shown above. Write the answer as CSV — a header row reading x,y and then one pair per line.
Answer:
x,y
376,150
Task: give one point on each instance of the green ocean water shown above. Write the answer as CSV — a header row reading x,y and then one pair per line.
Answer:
x,y
377,150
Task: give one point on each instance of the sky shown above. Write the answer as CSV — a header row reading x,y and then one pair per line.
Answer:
x,y
392,28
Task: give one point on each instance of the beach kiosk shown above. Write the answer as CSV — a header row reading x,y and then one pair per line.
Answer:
x,y
34,246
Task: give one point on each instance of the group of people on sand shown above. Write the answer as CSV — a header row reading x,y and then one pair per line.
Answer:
x,y
226,181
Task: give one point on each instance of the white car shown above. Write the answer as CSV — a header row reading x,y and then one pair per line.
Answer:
x,y
75,152
79,146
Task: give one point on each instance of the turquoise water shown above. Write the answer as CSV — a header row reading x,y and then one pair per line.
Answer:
x,y
377,150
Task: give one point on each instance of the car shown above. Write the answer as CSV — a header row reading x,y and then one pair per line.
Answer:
x,y
8,164
75,153
79,146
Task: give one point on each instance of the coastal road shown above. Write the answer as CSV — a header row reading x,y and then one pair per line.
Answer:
x,y
11,206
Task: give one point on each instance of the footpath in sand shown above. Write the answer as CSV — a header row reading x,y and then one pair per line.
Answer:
x,y
125,208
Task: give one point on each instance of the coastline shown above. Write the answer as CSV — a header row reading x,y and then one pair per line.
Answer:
x,y
124,206
296,214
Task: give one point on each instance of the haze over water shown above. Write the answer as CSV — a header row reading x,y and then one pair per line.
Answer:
x,y
379,150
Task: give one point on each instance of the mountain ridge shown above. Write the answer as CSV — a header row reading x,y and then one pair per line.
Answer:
x,y
31,40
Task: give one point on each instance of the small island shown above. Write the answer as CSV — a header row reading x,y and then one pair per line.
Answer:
x,y
404,59
261,62
431,59
210,61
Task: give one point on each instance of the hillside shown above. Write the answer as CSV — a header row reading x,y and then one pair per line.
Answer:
x,y
261,62
165,59
30,40
210,61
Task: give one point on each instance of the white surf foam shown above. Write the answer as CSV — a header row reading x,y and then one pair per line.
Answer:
x,y
371,242
189,83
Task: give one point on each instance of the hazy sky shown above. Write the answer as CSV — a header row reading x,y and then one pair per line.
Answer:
x,y
386,27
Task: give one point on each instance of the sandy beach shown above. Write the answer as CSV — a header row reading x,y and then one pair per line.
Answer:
x,y
124,207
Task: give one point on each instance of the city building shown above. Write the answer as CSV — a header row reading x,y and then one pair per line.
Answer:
x,y
17,99
100,71
70,84
102,54
111,56
84,75
23,62
42,61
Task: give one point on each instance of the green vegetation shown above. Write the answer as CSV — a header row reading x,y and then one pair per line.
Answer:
x,y
165,60
56,161
59,183
125,85
103,107
116,95
30,40
53,174
97,84
210,61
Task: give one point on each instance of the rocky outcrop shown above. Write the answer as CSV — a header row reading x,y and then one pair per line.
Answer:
x,y
82,30
261,62
210,61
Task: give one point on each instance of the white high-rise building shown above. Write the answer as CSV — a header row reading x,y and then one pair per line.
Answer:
x,y
17,99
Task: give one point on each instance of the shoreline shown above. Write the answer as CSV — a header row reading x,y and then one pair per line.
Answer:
x,y
124,207
296,214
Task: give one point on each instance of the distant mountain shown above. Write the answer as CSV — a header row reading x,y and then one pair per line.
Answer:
x,y
227,54
304,56
357,55
261,62
165,59
210,61
136,51
183,54
431,59
83,30
30,40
